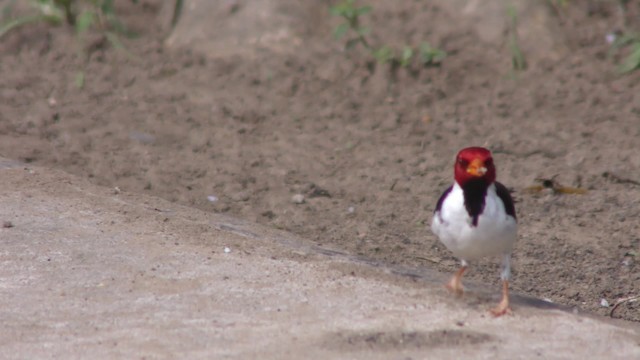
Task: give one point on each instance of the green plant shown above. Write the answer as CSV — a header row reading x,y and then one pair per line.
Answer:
x,y
46,11
632,61
406,56
384,54
518,61
430,55
83,15
177,11
352,14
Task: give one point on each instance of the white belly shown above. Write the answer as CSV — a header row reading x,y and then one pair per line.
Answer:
x,y
495,233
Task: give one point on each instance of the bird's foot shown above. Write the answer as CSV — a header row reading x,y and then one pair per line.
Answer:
x,y
455,286
501,310
503,307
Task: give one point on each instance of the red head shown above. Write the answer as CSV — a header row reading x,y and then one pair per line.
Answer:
x,y
474,163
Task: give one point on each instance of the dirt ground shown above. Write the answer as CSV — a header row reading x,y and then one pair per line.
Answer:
x,y
369,149
88,270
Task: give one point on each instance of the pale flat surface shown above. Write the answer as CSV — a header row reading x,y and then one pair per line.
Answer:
x,y
87,272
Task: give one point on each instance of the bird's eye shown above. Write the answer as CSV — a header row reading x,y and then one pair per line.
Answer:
x,y
463,162
489,162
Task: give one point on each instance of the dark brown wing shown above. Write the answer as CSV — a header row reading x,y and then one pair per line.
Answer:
x,y
441,200
506,198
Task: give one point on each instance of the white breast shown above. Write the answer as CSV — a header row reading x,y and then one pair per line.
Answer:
x,y
495,233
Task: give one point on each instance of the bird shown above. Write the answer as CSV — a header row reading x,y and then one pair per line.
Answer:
x,y
476,217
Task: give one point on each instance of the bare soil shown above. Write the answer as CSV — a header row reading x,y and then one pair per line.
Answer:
x,y
370,149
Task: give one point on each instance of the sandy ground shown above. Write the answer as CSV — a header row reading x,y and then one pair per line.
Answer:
x,y
369,149
89,271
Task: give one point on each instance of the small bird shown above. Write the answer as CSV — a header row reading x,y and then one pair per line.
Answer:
x,y
475,217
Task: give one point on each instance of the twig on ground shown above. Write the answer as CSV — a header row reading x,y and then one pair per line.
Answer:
x,y
622,301
619,178
428,259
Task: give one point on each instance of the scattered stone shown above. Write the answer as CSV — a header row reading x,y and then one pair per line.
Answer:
x,y
241,196
142,137
297,199
604,303
212,198
317,191
227,250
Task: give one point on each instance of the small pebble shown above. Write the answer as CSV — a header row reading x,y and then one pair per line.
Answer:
x,y
351,210
227,250
610,38
604,303
141,137
7,224
212,198
297,199
241,196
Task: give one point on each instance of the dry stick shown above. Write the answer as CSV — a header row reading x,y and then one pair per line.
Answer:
x,y
623,300
393,185
428,259
620,179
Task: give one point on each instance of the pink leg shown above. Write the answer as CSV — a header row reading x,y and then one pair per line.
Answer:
x,y
503,306
455,284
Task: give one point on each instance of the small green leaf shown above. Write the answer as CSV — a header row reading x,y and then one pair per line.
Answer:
x,y
7,10
177,11
517,57
624,40
363,30
50,10
350,14
85,21
341,30
79,80
439,55
405,58
341,9
364,10
13,24
335,10
107,7
430,55
632,61
383,54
